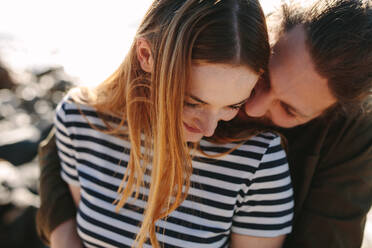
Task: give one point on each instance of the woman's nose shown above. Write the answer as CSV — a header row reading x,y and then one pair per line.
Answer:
x,y
209,123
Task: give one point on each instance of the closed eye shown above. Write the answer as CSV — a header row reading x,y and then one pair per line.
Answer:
x,y
287,110
192,105
197,105
236,107
239,105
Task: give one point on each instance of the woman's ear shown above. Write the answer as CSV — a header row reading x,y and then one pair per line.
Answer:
x,y
144,55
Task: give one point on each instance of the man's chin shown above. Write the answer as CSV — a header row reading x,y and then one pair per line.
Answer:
x,y
268,123
262,121
265,121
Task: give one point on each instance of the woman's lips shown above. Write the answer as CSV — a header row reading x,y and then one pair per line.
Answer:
x,y
192,129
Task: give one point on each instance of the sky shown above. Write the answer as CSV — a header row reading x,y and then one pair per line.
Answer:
x,y
88,38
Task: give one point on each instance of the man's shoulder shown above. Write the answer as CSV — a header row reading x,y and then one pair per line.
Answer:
x,y
331,134
348,137
358,122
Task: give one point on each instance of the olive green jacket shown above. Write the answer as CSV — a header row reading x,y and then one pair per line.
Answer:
x,y
330,161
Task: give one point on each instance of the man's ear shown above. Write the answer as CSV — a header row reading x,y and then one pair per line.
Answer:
x,y
144,55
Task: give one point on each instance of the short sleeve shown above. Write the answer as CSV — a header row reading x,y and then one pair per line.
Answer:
x,y
65,146
265,207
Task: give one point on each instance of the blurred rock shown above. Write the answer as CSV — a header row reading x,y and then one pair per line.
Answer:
x,y
18,185
20,152
18,205
6,81
18,228
26,117
27,112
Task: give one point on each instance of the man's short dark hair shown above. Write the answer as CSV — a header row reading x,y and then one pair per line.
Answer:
x,y
339,40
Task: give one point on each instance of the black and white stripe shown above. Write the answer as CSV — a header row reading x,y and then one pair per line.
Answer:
x,y
247,191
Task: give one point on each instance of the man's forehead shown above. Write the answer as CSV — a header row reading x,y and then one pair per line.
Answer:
x,y
292,42
294,78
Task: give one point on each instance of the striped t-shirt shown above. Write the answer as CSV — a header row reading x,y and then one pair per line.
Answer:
x,y
246,192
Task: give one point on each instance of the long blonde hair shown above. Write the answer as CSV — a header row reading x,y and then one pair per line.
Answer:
x,y
150,104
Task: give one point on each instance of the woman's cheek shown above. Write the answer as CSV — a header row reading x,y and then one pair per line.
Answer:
x,y
189,113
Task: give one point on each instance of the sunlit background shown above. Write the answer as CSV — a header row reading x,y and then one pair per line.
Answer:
x,y
88,39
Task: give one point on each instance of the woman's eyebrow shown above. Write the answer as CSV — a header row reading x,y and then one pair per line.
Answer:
x,y
203,102
197,99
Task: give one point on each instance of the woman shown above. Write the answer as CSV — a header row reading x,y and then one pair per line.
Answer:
x,y
131,141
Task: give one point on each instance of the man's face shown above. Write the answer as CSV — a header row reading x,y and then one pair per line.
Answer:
x,y
296,93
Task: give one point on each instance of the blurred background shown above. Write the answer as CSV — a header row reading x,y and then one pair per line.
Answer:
x,y
47,47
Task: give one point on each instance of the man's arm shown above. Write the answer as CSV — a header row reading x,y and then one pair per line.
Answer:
x,y
65,234
56,205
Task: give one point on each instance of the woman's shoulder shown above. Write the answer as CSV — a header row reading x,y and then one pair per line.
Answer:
x,y
258,148
265,140
73,108
258,143
74,100
76,110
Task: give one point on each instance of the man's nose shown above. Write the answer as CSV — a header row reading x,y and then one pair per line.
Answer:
x,y
259,105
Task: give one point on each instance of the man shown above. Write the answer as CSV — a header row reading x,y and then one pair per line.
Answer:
x,y
320,76
315,93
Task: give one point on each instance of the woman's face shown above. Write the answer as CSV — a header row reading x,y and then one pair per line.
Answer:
x,y
215,92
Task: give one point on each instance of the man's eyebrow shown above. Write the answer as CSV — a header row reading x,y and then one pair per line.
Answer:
x,y
294,110
203,102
